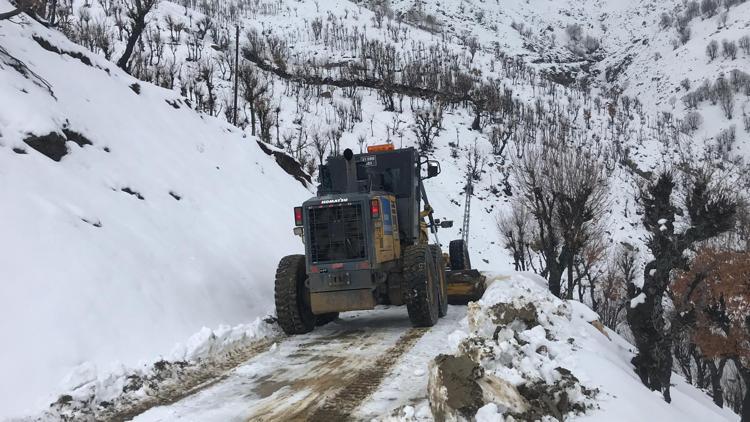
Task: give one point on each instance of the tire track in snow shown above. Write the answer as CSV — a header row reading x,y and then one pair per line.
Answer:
x,y
336,375
340,406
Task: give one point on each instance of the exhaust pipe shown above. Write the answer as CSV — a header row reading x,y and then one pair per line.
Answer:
x,y
351,171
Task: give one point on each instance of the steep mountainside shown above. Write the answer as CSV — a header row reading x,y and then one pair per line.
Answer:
x,y
129,221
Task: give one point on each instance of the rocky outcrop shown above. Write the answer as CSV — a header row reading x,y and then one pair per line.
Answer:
x,y
287,163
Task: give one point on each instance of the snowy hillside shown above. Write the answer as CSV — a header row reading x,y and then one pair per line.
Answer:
x,y
153,224
605,89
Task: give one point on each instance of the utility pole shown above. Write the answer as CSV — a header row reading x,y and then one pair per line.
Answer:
x,y
469,189
236,69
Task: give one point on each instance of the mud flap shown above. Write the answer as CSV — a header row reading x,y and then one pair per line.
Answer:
x,y
465,286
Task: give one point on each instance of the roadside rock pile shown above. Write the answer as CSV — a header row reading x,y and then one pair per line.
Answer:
x,y
516,363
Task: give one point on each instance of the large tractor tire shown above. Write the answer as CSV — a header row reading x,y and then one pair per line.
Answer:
x,y
459,254
437,258
292,297
422,286
324,319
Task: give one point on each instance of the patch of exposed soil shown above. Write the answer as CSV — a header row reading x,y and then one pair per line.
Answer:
x,y
51,145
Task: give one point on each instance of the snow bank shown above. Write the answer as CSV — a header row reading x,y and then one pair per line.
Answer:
x,y
538,344
154,224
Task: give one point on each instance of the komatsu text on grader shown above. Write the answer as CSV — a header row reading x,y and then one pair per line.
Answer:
x,y
366,243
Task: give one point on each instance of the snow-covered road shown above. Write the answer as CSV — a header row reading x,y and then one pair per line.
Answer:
x,y
365,365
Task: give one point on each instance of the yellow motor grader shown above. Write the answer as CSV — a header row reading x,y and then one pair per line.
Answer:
x,y
366,236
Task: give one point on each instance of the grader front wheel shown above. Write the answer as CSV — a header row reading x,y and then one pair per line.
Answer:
x,y
437,258
422,287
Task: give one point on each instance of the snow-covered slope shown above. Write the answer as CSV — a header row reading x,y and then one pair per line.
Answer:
x,y
168,221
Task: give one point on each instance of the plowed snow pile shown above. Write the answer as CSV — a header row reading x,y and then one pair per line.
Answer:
x,y
128,221
531,356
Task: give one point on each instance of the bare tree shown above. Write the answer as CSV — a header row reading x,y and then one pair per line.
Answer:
x,y
499,137
320,144
253,86
33,8
426,127
612,295
712,50
263,109
711,208
137,10
725,96
565,190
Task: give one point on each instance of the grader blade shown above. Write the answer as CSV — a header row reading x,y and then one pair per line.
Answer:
x,y
465,286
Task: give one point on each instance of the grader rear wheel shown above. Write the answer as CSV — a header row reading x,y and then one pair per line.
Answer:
x,y
292,297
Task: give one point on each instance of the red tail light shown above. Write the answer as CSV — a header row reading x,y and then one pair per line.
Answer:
x,y
297,216
375,208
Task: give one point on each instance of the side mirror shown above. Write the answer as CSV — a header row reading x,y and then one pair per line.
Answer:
x,y
433,169
446,224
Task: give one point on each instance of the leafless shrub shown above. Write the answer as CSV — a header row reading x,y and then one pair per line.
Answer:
x,y
744,44
575,32
692,9
666,20
691,122
591,44
725,141
683,28
709,7
729,49
516,234
475,162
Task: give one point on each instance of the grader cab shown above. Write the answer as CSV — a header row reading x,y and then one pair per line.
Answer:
x,y
366,236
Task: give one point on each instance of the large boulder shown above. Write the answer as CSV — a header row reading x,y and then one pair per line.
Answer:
x,y
458,387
